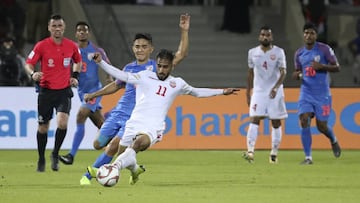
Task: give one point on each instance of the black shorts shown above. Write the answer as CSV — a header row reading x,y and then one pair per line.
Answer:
x,y
48,100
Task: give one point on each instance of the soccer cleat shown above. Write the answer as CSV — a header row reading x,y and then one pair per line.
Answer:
x,y
135,175
67,159
85,181
54,162
336,149
40,166
248,156
273,159
307,162
92,171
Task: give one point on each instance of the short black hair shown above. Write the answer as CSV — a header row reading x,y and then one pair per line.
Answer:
x,y
165,54
82,23
56,17
265,27
146,36
310,25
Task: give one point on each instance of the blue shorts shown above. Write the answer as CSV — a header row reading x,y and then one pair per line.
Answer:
x,y
113,126
321,107
93,105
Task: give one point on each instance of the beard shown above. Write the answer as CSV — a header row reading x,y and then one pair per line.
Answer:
x,y
162,76
265,43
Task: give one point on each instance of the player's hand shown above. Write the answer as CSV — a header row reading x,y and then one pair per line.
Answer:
x,y
273,93
316,65
297,75
184,22
74,82
229,91
88,97
96,57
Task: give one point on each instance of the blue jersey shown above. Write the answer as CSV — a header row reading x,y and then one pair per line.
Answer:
x,y
314,83
127,102
89,78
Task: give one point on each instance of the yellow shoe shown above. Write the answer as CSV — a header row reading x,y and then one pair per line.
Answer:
x,y
135,174
92,171
85,181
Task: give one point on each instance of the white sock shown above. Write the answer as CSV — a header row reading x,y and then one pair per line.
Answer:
x,y
276,135
251,137
126,159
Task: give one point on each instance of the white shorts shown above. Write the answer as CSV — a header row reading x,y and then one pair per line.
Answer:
x,y
261,105
131,132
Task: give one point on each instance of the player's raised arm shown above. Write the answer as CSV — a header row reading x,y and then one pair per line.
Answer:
x,y
183,48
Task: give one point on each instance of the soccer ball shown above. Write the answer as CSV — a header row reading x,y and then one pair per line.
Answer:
x,y
107,175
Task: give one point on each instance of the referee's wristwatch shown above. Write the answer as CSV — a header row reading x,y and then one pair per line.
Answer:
x,y
32,73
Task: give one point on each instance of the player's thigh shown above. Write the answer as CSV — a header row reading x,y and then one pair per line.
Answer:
x,y
323,108
277,108
258,105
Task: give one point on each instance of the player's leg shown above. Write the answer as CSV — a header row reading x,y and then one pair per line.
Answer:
x,y
322,113
109,135
251,138
276,135
306,139
81,117
257,111
277,112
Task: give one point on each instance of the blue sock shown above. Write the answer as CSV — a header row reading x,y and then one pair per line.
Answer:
x,y
330,134
102,159
306,141
78,137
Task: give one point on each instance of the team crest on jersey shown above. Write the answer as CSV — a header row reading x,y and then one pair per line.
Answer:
x,y
317,58
172,84
150,67
51,63
272,56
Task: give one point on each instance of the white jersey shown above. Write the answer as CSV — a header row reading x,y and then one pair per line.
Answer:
x,y
154,98
266,67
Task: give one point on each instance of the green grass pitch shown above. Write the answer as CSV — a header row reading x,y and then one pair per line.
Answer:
x,y
188,177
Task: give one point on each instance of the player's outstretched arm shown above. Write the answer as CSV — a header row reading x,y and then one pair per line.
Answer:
x,y
209,92
115,72
183,48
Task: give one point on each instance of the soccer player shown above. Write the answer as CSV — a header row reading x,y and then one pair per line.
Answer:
x,y
267,71
113,128
313,62
155,93
88,82
56,54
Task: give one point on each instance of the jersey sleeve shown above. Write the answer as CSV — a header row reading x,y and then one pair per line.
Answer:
x,y
115,72
297,63
34,55
250,61
330,55
200,92
77,54
282,59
